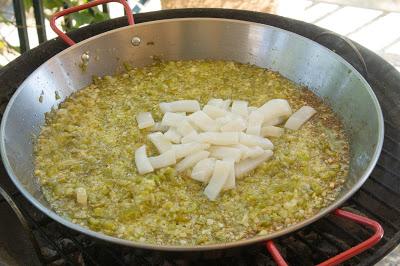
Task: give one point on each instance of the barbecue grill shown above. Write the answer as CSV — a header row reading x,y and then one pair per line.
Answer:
x,y
377,199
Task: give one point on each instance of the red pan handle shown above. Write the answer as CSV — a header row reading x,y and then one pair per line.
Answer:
x,y
74,9
345,255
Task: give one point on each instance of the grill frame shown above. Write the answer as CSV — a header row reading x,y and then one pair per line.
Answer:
x,y
382,78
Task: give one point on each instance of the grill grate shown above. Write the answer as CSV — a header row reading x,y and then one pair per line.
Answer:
x,y
378,198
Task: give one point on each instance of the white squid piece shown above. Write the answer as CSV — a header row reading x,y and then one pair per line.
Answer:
x,y
159,128
251,140
172,120
274,121
230,182
214,111
173,136
192,137
218,179
163,160
160,141
225,153
240,108
203,170
183,150
189,106
185,128
272,131
300,117
248,165
144,120
191,160
142,162
256,119
203,121
275,108
235,125
81,196
219,138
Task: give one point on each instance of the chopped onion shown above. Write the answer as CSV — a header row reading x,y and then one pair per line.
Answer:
x,y
275,108
251,140
235,125
160,141
183,150
218,179
240,108
219,138
300,117
189,106
248,165
272,131
163,160
185,128
191,160
173,136
144,120
254,125
143,164
203,170
81,196
214,111
224,153
158,127
172,119
230,182
274,121
203,121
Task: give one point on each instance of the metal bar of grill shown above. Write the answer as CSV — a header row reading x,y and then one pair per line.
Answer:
x,y
39,18
20,19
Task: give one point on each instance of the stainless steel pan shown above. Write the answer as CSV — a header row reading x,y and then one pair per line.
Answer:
x,y
295,57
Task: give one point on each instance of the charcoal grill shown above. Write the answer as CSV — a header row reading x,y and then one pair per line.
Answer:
x,y
377,199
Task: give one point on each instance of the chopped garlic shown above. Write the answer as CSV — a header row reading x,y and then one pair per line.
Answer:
x,y
224,153
203,121
240,108
219,138
256,119
244,167
214,111
160,141
251,140
272,131
173,136
191,160
218,179
144,120
275,108
300,117
189,106
172,120
81,196
143,164
203,170
163,160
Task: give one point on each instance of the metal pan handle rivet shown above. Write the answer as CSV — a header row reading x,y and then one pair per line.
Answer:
x,y
136,41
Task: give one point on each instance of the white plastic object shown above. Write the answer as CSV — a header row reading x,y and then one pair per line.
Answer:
x,y
275,108
251,140
246,166
301,116
203,170
144,120
172,120
160,141
173,136
225,153
203,121
183,150
272,131
218,179
256,119
219,138
240,108
81,196
163,160
191,160
214,111
142,162
189,106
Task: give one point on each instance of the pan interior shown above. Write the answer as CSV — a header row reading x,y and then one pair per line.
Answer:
x,y
296,58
